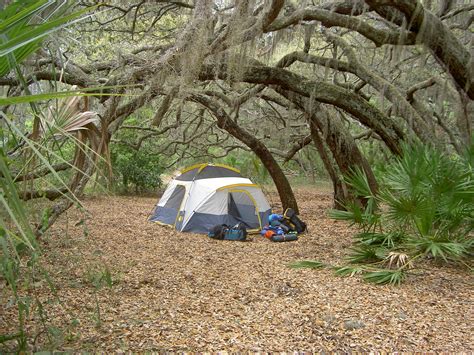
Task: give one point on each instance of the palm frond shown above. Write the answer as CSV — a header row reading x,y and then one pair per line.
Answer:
x,y
388,240
11,203
67,118
357,179
440,248
22,36
24,99
382,277
366,254
355,214
348,270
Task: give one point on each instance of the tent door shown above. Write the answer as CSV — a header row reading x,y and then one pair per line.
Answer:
x,y
242,207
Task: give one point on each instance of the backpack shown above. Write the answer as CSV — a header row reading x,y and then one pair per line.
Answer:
x,y
218,231
237,232
291,219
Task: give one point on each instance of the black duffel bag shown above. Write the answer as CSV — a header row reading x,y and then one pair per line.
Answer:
x,y
291,219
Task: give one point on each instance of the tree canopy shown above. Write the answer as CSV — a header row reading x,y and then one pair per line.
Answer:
x,y
203,79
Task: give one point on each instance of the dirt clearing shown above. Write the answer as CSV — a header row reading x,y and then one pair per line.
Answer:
x,y
186,292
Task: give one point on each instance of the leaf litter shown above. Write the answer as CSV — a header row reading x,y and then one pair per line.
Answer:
x,y
172,291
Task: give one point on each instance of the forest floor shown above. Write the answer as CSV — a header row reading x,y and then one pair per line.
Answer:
x,y
186,292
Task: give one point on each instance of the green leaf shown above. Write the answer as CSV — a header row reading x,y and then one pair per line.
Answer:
x,y
34,33
358,180
388,240
20,37
10,18
440,249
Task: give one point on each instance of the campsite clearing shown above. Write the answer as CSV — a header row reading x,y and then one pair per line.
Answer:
x,y
186,292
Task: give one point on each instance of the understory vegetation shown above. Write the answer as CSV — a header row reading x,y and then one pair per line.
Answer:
x,y
422,209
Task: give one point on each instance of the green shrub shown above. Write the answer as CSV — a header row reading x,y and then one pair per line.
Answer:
x,y
423,209
138,169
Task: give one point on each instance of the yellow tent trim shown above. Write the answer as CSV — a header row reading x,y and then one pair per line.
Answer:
x,y
163,224
203,165
237,185
185,170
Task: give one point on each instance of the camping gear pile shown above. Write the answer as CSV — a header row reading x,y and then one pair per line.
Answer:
x,y
207,195
283,228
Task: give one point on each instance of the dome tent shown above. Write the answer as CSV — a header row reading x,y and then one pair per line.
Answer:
x,y
205,195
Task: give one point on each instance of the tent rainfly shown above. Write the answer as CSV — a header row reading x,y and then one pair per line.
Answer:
x,y
205,195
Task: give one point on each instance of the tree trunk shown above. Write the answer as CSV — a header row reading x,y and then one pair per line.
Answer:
x,y
340,194
341,144
344,148
226,123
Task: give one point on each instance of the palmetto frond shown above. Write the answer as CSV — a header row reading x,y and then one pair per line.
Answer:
x,y
440,248
408,174
366,254
383,276
388,240
359,182
424,206
349,270
356,215
67,118
22,28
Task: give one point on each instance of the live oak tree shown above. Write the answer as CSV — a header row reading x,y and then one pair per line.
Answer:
x,y
237,75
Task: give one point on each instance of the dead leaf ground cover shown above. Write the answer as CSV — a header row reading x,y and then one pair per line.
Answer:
x,y
186,292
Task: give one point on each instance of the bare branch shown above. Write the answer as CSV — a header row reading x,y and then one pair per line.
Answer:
x,y
331,19
42,172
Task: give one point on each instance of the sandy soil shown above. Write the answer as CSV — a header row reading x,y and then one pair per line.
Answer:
x,y
186,292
